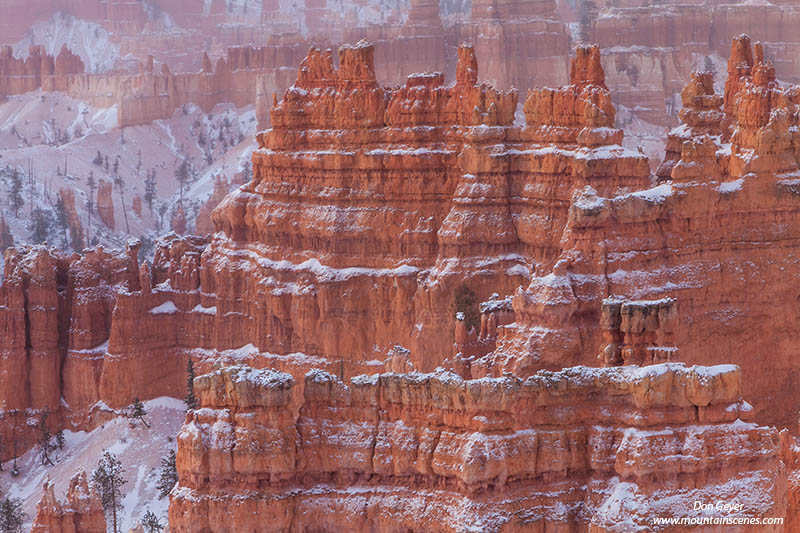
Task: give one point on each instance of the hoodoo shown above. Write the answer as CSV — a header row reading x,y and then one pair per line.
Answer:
x,y
430,311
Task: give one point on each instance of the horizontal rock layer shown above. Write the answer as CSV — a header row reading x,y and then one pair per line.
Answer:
x,y
558,450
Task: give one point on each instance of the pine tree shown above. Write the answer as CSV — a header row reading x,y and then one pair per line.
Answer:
x,y
150,190
62,218
11,516
247,172
6,238
45,440
60,441
98,159
138,412
107,480
182,175
465,302
168,475
191,400
120,183
162,210
150,522
40,225
92,184
15,198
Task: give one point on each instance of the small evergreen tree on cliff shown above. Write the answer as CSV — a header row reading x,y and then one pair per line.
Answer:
x,y
11,516
466,302
191,400
107,480
138,412
150,522
168,475
45,440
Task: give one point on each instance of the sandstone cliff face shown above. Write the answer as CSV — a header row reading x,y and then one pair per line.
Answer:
x,y
82,512
712,237
55,314
492,455
369,206
39,69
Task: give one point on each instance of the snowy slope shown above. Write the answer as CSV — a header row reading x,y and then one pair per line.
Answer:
x,y
138,448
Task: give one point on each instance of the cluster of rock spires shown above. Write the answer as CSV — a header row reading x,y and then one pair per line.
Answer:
x,y
82,512
341,386
246,75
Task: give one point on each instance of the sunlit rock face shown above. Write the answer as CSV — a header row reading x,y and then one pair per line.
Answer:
x,y
580,449
343,374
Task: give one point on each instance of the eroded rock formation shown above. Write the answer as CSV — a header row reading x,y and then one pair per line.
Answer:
x,y
369,206
570,449
82,512
105,203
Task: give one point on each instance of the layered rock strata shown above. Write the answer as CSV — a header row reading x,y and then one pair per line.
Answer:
x,y
716,236
572,450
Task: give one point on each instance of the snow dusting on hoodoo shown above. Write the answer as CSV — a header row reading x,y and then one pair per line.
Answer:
x,y
264,270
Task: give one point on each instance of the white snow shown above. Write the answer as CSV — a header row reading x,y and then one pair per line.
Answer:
x,y
139,449
167,308
205,310
655,195
729,187
86,39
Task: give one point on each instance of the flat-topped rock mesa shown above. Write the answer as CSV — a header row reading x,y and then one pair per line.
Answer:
x,y
575,449
716,235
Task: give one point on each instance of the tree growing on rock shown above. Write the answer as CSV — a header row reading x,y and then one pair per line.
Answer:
x,y
45,439
167,475
466,303
191,400
107,480
138,412
92,184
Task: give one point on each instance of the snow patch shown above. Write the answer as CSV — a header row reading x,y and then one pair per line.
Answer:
x,y
167,308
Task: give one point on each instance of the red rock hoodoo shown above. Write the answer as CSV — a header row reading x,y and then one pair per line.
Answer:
x,y
82,512
347,384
